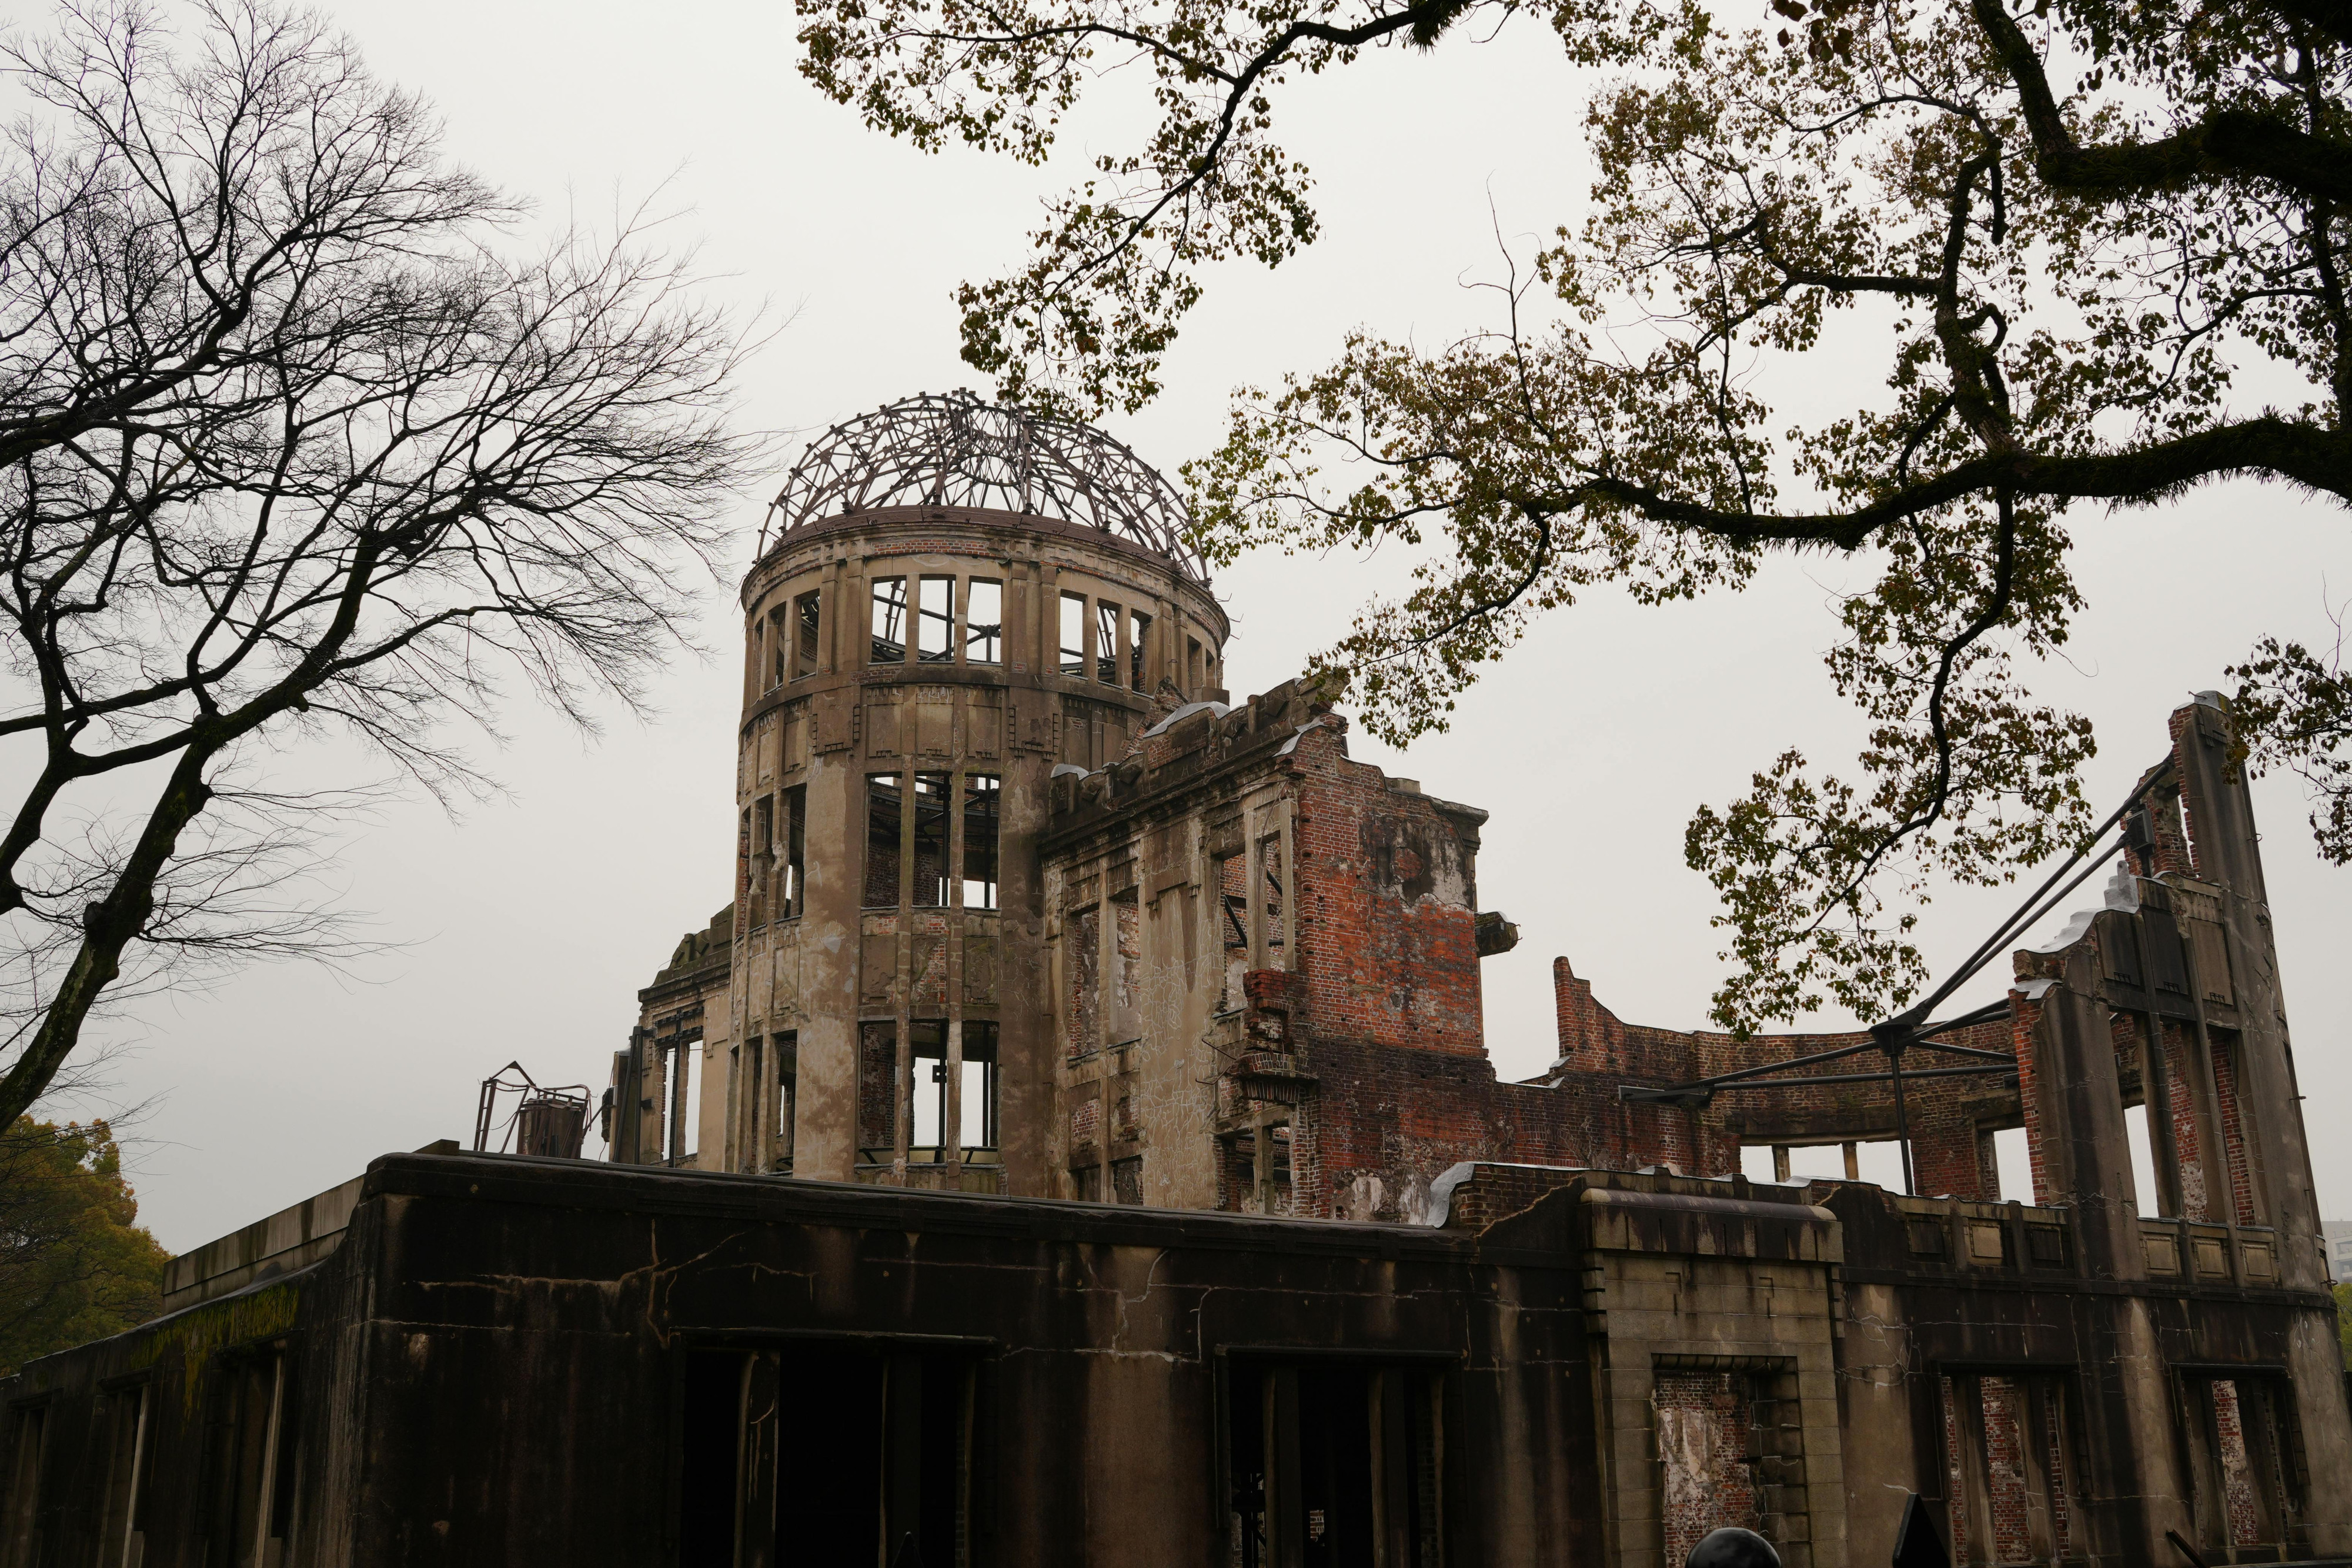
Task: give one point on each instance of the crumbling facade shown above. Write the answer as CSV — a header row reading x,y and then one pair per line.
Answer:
x,y
1075,1143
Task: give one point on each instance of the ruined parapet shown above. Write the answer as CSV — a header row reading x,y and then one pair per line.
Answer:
x,y
2165,1000
1266,958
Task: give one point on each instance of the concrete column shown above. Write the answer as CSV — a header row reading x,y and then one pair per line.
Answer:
x,y
2086,1152
824,1123
2227,849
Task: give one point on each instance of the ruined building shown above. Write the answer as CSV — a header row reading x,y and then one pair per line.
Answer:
x,y
1075,1142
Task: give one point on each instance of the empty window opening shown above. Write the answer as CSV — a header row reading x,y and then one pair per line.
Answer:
x,y
983,794
1880,1163
805,620
877,1091
889,622
779,648
1084,959
978,1129
882,851
1195,671
2146,1193
826,1454
932,800
793,889
1073,640
1106,644
1333,1465
935,621
983,622
1138,639
1705,1424
2013,1156
972,1111
2008,1476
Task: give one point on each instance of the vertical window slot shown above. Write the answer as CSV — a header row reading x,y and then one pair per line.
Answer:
x,y
805,618
1074,635
931,802
979,1130
1106,644
882,855
794,892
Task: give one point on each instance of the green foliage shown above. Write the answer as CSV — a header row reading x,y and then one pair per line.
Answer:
x,y
2344,1321
74,1264
2068,233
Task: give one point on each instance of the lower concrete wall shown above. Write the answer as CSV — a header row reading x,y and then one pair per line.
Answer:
x,y
514,1359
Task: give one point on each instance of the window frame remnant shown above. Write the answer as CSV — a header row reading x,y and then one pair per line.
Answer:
x,y
983,827
885,847
1138,639
934,801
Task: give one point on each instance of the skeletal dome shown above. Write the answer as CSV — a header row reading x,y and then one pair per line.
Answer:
x,y
953,450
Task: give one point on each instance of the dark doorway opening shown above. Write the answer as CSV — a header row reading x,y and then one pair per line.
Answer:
x,y
1334,1464
823,1454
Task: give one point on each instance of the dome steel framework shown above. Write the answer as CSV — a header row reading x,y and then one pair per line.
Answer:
x,y
953,450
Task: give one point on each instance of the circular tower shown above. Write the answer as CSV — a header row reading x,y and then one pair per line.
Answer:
x,y
953,600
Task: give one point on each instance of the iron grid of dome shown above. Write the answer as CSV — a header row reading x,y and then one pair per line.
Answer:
x,y
953,450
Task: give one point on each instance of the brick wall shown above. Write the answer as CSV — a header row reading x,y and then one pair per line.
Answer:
x,y
1386,906
2233,1130
1704,1452
2005,1430
2244,1511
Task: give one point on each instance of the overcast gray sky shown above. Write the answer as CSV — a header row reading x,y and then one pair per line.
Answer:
x,y
529,925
